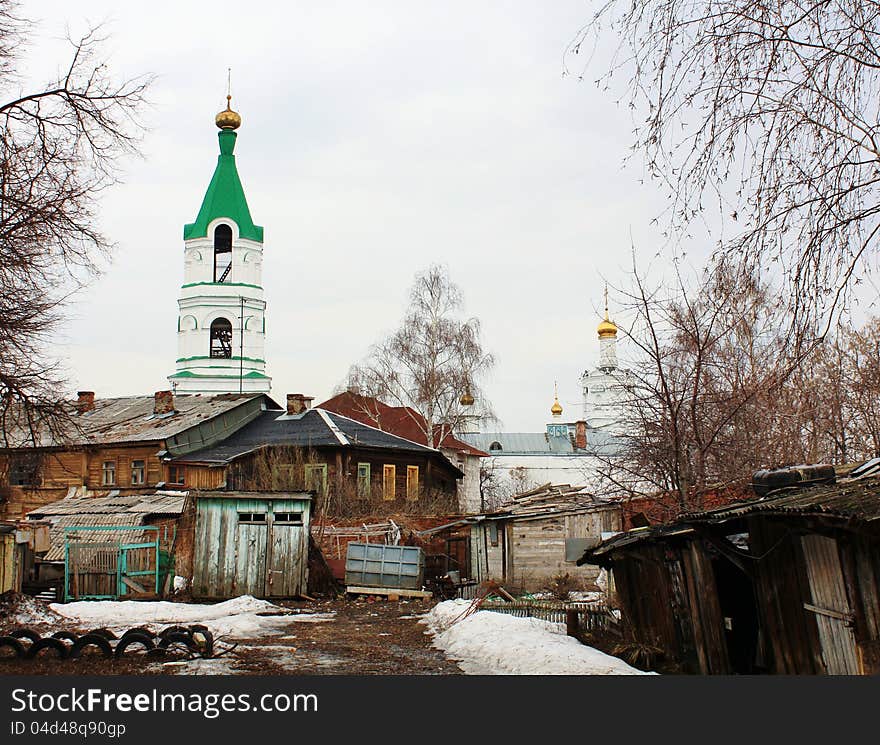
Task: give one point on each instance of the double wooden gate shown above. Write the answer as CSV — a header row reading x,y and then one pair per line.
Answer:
x,y
96,569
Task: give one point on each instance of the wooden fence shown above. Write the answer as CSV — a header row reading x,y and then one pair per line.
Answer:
x,y
591,617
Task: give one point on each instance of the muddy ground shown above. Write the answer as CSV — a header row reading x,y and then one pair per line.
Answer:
x,y
364,638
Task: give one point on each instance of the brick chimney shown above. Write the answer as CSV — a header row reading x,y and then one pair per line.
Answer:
x,y
163,402
297,403
85,401
580,435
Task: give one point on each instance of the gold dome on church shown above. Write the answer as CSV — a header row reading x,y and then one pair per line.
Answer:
x,y
607,328
228,119
556,409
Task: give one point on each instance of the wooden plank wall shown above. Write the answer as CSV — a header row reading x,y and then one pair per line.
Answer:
x,y
230,559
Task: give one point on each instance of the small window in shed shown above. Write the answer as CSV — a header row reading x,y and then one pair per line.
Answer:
x,y
495,446
251,518
288,518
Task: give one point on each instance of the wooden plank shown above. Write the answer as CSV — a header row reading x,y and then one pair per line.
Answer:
x,y
828,592
356,590
128,582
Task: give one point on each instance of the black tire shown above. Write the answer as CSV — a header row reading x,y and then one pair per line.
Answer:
x,y
91,640
156,654
164,633
14,644
138,630
177,637
61,649
146,641
106,633
65,636
24,633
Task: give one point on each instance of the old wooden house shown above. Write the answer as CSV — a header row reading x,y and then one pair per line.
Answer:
x,y
115,445
354,469
787,583
251,544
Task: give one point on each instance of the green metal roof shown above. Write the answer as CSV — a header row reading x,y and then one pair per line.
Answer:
x,y
225,196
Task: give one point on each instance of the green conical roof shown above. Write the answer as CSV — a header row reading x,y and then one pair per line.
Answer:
x,y
225,196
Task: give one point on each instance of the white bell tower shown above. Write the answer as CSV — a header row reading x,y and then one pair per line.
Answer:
x,y
221,327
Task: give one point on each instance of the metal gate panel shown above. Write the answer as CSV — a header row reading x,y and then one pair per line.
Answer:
x,y
830,605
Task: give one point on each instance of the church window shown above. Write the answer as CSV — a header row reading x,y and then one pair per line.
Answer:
x,y
222,252
495,446
221,339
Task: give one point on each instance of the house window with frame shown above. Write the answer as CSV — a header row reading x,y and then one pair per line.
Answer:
x,y
389,482
316,478
177,475
251,518
24,470
412,482
108,473
364,489
138,472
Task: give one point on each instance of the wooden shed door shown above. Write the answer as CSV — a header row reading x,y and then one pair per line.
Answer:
x,y
830,604
286,555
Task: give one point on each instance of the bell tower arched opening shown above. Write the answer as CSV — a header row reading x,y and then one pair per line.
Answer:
x,y
221,339
222,252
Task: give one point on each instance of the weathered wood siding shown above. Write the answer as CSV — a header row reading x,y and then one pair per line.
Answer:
x,y
232,557
10,563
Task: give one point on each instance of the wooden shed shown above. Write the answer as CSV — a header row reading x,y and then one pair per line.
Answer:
x,y
538,535
784,584
251,543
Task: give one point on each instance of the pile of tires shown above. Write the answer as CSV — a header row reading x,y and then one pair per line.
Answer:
x,y
25,643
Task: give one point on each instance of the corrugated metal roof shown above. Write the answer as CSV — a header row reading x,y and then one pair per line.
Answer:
x,y
116,510
131,419
541,443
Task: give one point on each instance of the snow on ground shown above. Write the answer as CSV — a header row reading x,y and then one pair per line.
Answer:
x,y
237,618
488,643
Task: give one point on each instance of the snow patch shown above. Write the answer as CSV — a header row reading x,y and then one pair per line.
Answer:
x,y
488,643
237,618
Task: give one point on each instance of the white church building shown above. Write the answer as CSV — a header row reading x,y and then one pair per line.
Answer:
x,y
566,452
221,327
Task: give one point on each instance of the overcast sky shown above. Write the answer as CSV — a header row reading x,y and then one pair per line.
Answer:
x,y
377,138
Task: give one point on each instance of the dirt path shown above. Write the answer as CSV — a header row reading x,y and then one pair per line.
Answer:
x,y
365,638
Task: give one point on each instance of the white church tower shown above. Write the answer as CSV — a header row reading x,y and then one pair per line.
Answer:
x,y
221,327
604,386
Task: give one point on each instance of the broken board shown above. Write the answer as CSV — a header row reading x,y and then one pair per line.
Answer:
x,y
388,591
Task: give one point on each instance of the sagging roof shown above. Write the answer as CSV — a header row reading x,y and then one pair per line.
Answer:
x,y
540,443
854,499
104,511
552,499
402,421
131,419
313,428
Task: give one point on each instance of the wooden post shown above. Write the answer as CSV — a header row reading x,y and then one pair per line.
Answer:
x,y
571,623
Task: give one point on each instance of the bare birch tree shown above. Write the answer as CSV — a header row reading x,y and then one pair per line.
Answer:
x,y
60,145
431,363
769,107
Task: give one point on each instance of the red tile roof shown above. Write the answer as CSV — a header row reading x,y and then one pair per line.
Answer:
x,y
402,421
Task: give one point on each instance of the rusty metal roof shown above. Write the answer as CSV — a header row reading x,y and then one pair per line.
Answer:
x,y
105,511
131,419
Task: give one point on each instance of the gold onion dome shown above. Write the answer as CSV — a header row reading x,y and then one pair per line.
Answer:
x,y
228,119
607,328
466,399
556,409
